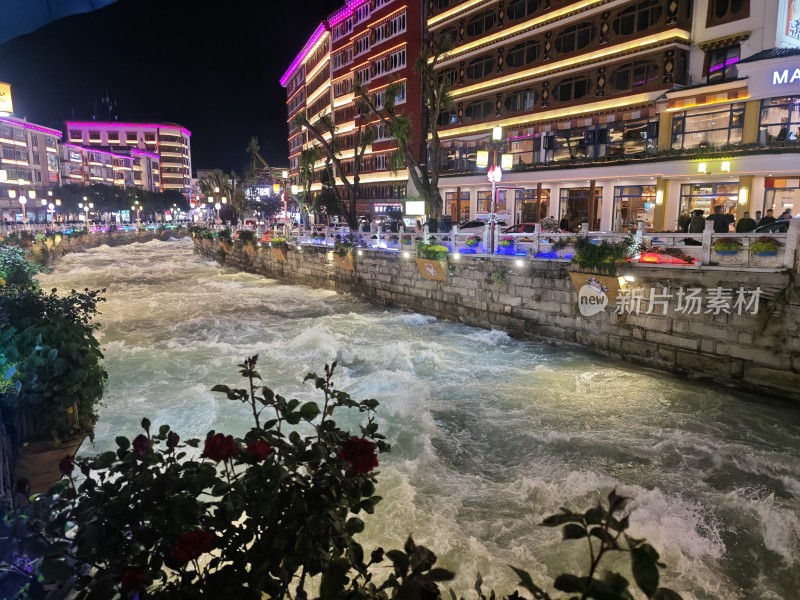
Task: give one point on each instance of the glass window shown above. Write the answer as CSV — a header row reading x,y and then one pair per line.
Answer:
x,y
478,110
527,202
724,11
634,74
520,100
522,54
708,128
459,205
577,209
573,88
706,196
480,67
782,194
721,63
575,37
780,121
518,9
480,23
449,32
638,17
633,205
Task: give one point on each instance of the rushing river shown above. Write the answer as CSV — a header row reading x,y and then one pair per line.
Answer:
x,y
490,433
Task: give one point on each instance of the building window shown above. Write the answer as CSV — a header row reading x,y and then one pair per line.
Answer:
x,y
451,33
442,4
635,74
780,121
708,128
343,28
447,75
577,207
519,9
362,76
520,100
705,196
638,17
361,45
575,37
343,58
480,23
447,117
633,204
573,88
362,13
479,110
522,54
725,11
388,29
480,67
782,194
721,63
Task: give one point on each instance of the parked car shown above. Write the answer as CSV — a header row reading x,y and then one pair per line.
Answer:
x,y
781,226
477,226
520,228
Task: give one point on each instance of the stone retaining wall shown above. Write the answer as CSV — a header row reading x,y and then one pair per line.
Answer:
x,y
759,352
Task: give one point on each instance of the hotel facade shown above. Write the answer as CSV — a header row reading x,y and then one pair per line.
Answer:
x,y
372,43
616,112
170,143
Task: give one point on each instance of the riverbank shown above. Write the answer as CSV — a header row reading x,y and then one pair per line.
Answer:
x,y
733,328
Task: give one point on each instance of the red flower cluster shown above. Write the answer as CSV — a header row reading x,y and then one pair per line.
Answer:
x,y
132,578
141,445
67,465
220,447
360,453
192,544
259,450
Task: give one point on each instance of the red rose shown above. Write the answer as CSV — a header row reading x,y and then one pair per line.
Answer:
x,y
172,440
132,578
192,544
259,450
141,445
220,447
360,453
67,465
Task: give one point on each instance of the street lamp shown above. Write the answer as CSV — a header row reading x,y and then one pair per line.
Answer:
x,y
51,208
218,206
495,175
22,201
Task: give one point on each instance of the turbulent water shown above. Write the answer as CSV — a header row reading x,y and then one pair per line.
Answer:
x,y
490,434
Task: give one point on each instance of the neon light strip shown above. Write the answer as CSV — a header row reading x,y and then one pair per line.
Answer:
x,y
589,56
348,9
116,125
572,111
32,127
449,13
300,58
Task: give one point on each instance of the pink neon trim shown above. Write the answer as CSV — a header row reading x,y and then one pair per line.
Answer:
x,y
315,37
120,125
348,9
31,126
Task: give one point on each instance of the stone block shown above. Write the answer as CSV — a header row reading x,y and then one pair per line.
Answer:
x,y
666,355
703,364
774,380
776,359
707,346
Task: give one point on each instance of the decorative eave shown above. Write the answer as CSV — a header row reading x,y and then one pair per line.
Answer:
x,y
724,42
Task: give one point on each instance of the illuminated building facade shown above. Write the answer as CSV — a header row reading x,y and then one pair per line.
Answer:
x,y
374,43
616,112
170,142
86,166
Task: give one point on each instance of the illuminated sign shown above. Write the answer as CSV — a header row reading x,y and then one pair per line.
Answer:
x,y
785,76
6,106
415,207
507,161
482,158
789,23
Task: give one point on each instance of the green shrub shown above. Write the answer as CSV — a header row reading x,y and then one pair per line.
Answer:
x,y
726,245
764,244
432,251
246,236
17,268
603,256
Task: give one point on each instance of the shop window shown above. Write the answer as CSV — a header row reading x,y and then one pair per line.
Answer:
x,y
633,204
638,17
520,100
575,37
459,205
522,54
448,75
705,196
780,121
446,118
782,194
529,203
708,128
721,63
480,23
635,74
479,110
725,11
519,9
578,207
573,88
480,67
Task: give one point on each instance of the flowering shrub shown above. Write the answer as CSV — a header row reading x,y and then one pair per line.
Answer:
x,y
432,251
472,241
506,241
279,241
549,225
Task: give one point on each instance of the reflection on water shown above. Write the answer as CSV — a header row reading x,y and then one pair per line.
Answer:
x,y
490,434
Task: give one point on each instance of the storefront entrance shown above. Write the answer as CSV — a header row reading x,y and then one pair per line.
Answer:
x,y
782,194
705,196
527,204
633,204
577,207
458,203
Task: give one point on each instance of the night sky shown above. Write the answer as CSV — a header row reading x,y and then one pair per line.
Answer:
x,y
212,67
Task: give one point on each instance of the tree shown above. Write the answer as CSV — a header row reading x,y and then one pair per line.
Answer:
x,y
218,184
436,98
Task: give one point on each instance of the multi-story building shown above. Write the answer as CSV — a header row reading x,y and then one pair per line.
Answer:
x,y
372,43
616,112
86,166
169,141
28,163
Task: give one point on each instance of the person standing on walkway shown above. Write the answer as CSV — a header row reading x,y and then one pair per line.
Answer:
x,y
745,224
721,220
768,219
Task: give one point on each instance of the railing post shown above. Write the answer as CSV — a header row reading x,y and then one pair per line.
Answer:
x,y
453,234
537,231
791,256
496,241
706,255
639,236
585,228
425,233
485,236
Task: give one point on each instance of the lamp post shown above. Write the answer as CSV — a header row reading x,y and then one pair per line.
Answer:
x,y
495,175
51,208
22,201
218,206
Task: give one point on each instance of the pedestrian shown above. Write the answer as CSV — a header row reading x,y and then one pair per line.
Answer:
x,y
745,224
758,218
785,215
22,493
696,225
563,225
418,228
721,221
768,219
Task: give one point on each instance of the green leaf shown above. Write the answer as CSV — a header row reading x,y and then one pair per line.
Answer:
x,y
221,388
645,569
399,560
10,373
527,582
309,411
570,583
334,579
666,594
123,442
354,525
55,570
573,531
441,574
163,431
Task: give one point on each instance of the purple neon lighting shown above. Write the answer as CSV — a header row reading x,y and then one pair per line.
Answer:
x,y
348,9
116,125
32,127
152,155
727,63
312,41
85,149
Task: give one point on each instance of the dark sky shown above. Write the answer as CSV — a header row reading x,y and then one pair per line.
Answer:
x,y
212,67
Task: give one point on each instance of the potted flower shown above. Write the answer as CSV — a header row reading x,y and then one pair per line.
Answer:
x,y
248,239
280,248
406,240
549,225
432,261
393,241
726,247
764,246
472,243
506,245
343,251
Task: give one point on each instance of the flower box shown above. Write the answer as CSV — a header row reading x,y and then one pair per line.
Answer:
x,y
279,253
38,462
432,270
726,252
344,261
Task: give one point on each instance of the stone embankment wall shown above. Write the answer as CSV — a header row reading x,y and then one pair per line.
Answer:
x,y
760,352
